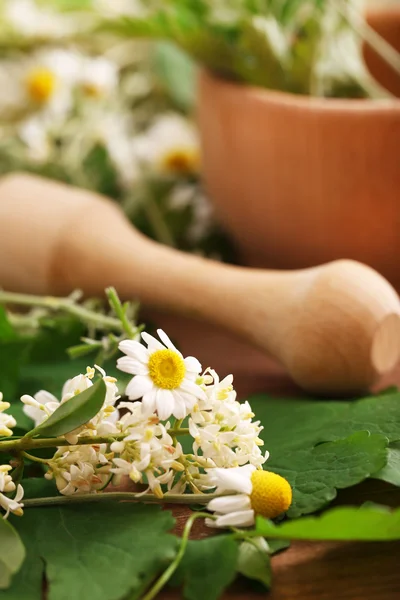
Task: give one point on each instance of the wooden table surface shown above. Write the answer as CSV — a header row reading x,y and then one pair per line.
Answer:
x,y
307,571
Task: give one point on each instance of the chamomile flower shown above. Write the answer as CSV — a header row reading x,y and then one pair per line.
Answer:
x,y
49,78
255,492
7,485
170,147
99,77
164,380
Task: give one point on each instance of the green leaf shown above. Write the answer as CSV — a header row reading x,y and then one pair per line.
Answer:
x,y
254,561
291,423
208,567
177,72
12,553
367,523
101,552
391,471
316,473
75,412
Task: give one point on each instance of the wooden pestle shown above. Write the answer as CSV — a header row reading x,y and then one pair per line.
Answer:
x,y
336,327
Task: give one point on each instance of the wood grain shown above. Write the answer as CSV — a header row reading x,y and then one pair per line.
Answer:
x,y
308,570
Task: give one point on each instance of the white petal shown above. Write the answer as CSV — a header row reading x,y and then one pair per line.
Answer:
x,y
152,342
229,504
134,350
138,387
149,403
180,410
192,364
192,388
131,365
165,340
243,518
233,479
165,403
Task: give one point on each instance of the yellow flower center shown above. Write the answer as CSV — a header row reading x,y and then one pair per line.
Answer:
x,y
180,161
41,84
271,494
166,369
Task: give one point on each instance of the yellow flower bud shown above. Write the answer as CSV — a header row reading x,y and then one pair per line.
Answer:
x,y
271,494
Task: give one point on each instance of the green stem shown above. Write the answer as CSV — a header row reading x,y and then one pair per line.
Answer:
x,y
118,496
34,458
116,305
166,576
27,443
54,303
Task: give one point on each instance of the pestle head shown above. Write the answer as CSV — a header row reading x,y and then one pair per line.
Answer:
x,y
345,331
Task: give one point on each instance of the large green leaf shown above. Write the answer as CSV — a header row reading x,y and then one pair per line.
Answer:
x,y
75,412
294,428
290,424
12,553
367,523
101,552
316,473
207,568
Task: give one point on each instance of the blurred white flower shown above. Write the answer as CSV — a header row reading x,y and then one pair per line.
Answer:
x,y
34,133
170,147
163,378
30,19
98,77
116,8
46,80
7,485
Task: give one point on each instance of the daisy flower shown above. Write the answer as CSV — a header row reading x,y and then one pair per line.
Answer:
x,y
252,492
163,378
170,147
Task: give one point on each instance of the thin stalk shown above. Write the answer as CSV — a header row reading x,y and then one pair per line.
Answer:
x,y
120,496
166,576
26,443
54,303
34,458
116,305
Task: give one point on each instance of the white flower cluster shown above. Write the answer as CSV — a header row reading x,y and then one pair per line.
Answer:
x,y
169,397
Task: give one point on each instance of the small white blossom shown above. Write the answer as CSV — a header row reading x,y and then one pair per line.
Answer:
x,y
148,449
98,77
163,378
6,421
170,147
7,485
80,469
222,427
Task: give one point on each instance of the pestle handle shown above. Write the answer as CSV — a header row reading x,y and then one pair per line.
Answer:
x,y
336,327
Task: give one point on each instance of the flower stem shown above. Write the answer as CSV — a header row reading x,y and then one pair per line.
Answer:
x,y
65,304
34,458
120,311
27,443
166,576
120,496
